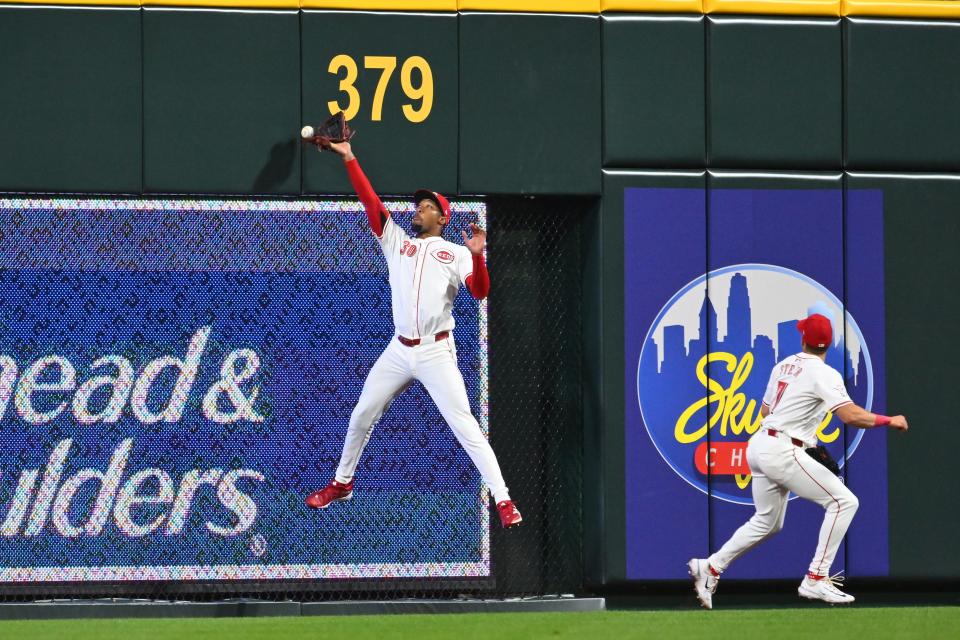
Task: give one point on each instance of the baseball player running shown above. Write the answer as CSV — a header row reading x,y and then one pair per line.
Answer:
x,y
425,274
801,390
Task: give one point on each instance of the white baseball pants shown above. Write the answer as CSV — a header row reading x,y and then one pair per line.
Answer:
x,y
779,467
435,365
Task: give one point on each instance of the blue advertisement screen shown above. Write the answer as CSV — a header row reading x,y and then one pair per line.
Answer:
x,y
177,375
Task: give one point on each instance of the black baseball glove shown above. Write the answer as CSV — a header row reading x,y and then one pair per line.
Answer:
x,y
821,455
333,129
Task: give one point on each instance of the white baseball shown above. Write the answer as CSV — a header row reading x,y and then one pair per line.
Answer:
x,y
306,132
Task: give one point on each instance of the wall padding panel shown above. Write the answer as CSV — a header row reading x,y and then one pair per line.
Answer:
x,y
760,207
530,104
403,144
653,91
774,93
70,113
606,377
903,98
922,231
221,102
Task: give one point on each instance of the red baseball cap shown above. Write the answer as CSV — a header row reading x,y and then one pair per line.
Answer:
x,y
816,330
442,203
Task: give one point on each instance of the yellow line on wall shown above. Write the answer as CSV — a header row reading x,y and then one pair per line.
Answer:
x,y
224,4
382,5
653,6
943,9
537,6
903,8
776,7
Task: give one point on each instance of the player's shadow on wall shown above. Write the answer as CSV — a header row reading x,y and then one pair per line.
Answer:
x,y
278,168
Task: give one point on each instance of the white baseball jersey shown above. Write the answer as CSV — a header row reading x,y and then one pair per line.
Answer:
x,y
801,390
425,275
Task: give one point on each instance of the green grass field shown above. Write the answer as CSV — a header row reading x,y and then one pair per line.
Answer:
x,y
741,624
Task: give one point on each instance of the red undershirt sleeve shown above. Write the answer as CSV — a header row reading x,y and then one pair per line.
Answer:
x,y
478,282
376,213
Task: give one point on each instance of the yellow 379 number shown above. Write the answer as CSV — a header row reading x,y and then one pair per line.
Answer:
x,y
420,92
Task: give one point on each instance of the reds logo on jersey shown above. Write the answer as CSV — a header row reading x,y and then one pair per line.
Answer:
x,y
443,256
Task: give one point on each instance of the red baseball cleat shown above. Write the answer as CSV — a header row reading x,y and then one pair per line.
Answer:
x,y
509,516
333,492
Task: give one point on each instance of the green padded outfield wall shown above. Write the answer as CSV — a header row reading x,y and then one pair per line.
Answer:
x,y
774,93
221,97
70,118
922,225
529,104
653,91
795,94
902,95
133,101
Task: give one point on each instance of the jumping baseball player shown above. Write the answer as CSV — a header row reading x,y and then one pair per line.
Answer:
x,y
425,274
801,390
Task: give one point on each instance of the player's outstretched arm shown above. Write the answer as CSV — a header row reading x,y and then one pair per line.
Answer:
x,y
478,282
376,212
856,416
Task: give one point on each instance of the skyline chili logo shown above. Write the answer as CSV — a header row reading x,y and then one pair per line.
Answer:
x,y
706,360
